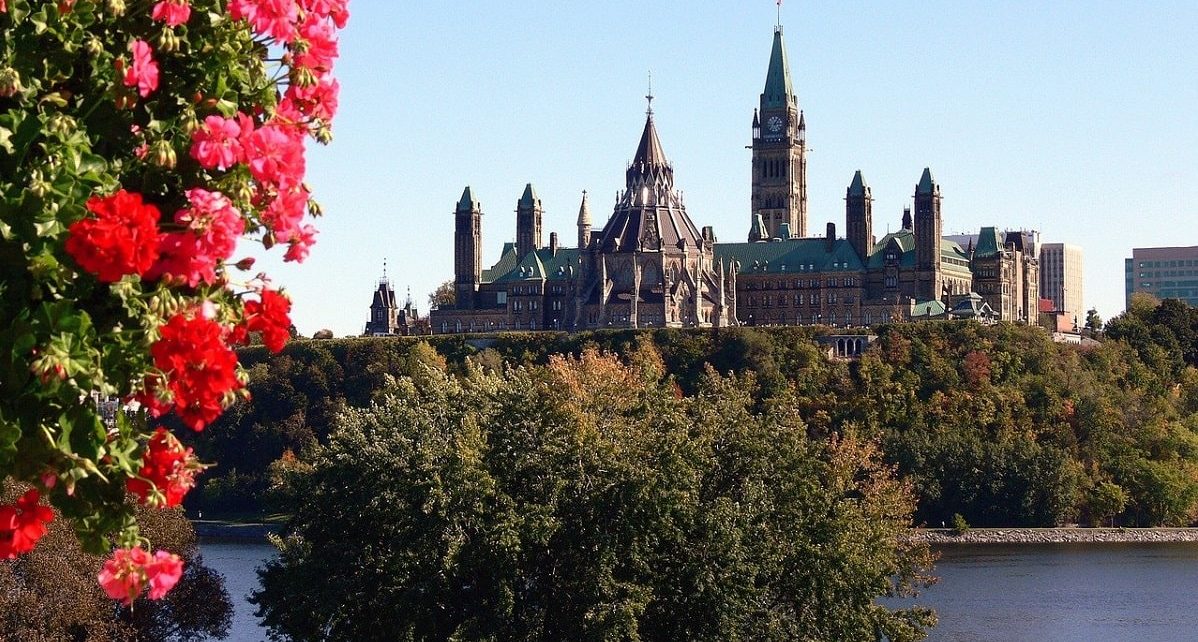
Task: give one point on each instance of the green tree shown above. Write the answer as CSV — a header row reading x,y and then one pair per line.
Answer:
x,y
1093,321
587,500
1106,501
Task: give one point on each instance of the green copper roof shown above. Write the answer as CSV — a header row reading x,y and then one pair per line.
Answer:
x,y
793,256
927,184
778,90
858,186
529,198
927,309
467,200
507,262
989,243
536,265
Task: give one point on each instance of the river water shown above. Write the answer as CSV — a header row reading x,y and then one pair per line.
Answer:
x,y
991,593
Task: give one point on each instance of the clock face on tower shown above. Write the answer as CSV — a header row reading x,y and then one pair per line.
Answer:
x,y
775,124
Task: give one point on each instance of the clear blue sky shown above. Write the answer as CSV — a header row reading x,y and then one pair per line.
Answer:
x,y
1078,119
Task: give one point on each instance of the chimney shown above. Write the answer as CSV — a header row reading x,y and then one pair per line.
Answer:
x,y
831,240
553,243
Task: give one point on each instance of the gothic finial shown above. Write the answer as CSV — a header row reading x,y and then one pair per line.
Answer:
x,y
384,268
649,96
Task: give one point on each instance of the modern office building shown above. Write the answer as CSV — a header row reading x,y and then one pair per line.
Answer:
x,y
1061,269
1163,272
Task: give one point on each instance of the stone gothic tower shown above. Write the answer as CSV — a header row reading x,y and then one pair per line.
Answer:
x,y
528,222
467,249
858,216
779,154
929,234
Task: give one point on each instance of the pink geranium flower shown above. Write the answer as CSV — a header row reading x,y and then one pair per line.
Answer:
x,y
275,18
172,12
142,72
217,143
317,101
213,226
275,155
127,572
163,573
301,244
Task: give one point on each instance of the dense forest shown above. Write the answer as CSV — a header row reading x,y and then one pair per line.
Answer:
x,y
995,423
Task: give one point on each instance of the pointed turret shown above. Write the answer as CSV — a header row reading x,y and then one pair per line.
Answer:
x,y
467,200
858,186
467,249
584,223
778,90
528,222
529,197
858,215
650,163
926,183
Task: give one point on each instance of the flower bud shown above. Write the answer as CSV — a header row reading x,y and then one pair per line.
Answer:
x,y
303,77
188,123
10,82
94,46
168,41
245,264
243,192
37,184
163,155
116,7
324,134
60,125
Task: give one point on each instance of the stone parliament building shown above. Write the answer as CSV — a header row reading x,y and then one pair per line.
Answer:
x,y
651,266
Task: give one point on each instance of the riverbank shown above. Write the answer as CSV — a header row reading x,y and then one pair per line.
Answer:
x,y
1055,535
238,531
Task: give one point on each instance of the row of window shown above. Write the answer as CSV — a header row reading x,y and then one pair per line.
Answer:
x,y
1169,264
847,282
830,318
770,300
492,326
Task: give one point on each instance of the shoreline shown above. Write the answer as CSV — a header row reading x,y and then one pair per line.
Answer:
x,y
258,532
1055,535
248,532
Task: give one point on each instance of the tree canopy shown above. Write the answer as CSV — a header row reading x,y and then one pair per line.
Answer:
x,y
588,499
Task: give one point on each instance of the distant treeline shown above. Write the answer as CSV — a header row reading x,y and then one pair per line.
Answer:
x,y
997,424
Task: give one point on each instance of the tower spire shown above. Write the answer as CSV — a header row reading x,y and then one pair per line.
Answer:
x,y
649,96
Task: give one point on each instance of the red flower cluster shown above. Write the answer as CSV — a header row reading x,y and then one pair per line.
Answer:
x,y
200,370
22,525
167,471
213,226
271,317
121,239
128,571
